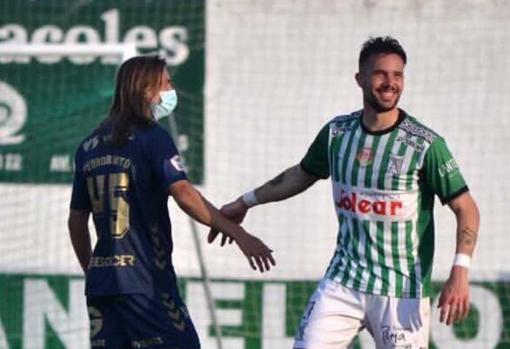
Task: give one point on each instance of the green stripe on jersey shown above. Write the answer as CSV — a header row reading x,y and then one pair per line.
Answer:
x,y
401,152
334,156
369,244
355,163
385,160
370,167
347,153
355,254
396,259
412,167
381,259
410,259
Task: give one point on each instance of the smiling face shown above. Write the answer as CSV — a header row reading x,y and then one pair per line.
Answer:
x,y
382,81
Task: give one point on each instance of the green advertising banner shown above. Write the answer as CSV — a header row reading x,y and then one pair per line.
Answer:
x,y
49,312
50,102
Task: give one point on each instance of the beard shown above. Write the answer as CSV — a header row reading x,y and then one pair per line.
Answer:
x,y
378,105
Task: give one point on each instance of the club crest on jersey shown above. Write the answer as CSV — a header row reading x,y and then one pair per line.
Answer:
x,y
364,157
395,165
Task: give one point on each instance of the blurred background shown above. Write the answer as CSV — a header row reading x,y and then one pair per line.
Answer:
x,y
256,80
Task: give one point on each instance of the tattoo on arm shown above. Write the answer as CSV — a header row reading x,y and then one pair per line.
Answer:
x,y
467,236
277,180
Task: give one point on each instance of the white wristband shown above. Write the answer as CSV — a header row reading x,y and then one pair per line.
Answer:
x,y
250,199
462,260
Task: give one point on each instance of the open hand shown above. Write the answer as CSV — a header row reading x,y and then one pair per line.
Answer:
x,y
258,254
454,298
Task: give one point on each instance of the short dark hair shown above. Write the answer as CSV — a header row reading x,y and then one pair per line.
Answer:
x,y
380,44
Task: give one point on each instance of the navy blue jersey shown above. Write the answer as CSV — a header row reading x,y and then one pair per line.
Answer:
x,y
126,189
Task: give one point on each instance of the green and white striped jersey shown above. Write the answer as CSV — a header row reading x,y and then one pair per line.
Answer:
x,y
383,190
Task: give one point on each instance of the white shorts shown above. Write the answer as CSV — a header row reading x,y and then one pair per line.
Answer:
x,y
335,315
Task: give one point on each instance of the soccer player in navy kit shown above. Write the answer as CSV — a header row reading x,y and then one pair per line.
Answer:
x,y
124,172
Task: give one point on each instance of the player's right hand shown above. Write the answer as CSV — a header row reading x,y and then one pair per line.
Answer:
x,y
235,211
259,255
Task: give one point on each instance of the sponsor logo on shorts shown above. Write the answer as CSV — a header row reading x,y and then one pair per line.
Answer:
x,y
96,324
396,337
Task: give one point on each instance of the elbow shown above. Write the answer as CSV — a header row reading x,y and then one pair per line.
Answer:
x,y
184,195
466,210
476,213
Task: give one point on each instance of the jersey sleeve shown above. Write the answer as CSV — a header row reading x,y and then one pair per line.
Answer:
x,y
442,173
80,199
316,162
166,160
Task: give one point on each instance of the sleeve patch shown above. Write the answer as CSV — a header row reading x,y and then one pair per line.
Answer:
x,y
177,163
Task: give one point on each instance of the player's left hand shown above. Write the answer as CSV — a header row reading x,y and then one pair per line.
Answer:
x,y
454,298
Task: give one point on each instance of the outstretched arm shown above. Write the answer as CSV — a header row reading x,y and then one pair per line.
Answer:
x,y
454,298
290,182
196,206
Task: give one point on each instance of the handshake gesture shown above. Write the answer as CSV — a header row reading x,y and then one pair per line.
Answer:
x,y
259,255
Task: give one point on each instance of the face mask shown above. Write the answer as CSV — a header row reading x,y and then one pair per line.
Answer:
x,y
167,104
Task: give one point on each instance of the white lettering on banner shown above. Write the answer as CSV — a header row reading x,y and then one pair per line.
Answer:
x,y
198,309
41,306
48,34
274,317
490,323
13,115
172,41
13,33
11,162
60,163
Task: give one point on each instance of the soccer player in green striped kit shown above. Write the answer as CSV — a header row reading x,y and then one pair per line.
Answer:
x,y
386,168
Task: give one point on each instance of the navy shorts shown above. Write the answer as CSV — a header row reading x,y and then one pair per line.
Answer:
x,y
139,321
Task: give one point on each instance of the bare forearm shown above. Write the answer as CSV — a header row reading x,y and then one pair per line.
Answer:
x,y
201,210
80,239
287,184
83,250
468,221
467,235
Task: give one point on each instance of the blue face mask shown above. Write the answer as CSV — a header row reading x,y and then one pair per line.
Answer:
x,y
166,106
